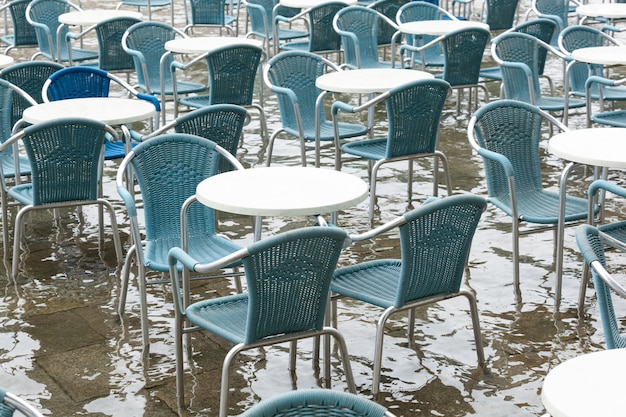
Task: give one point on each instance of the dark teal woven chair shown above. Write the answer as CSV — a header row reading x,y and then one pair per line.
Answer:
x,y
413,115
591,243
388,8
43,15
500,14
435,241
518,57
210,14
10,403
555,10
263,25
507,135
66,158
232,71
177,163
23,35
317,403
358,28
287,277
291,76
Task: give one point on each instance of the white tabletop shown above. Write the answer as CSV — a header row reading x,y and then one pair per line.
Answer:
x,y
110,110
370,80
603,55
92,17
307,4
588,385
197,45
608,10
6,60
604,147
438,27
282,191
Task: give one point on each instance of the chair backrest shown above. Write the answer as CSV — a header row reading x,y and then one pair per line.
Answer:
x,y
10,403
23,33
145,41
44,16
435,242
413,114
77,82
556,10
390,9
260,16
316,402
591,246
322,35
463,53
518,57
109,33
233,71
207,12
576,37
30,76
8,92
542,29
297,71
177,162
66,158
221,123
288,277
513,129
501,13
358,27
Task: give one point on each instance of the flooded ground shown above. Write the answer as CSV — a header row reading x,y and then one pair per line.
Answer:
x,y
64,347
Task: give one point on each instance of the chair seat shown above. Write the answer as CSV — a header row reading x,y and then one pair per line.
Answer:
x,y
10,40
225,317
492,73
382,277
608,93
144,3
616,230
183,87
115,150
8,165
542,207
79,55
370,148
206,247
556,103
23,193
327,133
615,118
286,34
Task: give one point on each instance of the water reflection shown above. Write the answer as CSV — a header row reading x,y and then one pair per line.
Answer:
x,y
64,347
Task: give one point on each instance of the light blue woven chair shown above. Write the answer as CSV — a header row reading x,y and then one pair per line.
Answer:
x,y
148,4
287,277
177,163
317,403
23,35
10,404
291,76
358,28
145,42
507,135
232,71
210,14
66,158
43,15
263,25
591,243
435,241
518,57
413,115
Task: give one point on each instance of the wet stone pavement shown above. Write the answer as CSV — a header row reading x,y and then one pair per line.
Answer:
x,y
64,347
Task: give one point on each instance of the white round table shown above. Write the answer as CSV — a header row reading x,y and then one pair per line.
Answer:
x,y
606,10
6,60
368,80
603,147
602,55
198,45
587,385
438,27
92,17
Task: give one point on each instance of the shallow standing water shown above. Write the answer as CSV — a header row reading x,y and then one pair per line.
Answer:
x,y
63,346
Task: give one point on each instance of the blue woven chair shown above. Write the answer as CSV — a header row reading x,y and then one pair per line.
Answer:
x,y
288,276
10,403
145,42
555,10
149,4
23,35
66,158
416,11
358,28
109,32
221,123
413,115
506,134
232,71
591,243
210,14
156,165
518,57
435,241
322,37
317,403
263,25
43,15
83,81
500,14
388,8
291,76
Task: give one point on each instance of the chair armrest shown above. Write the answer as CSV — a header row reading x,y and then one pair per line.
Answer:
x,y
286,91
499,158
128,199
152,99
340,105
606,185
